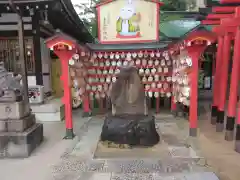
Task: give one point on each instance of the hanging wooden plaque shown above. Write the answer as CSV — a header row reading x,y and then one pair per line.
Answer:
x,y
128,21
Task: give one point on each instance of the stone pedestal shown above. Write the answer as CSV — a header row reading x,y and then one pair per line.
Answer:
x,y
19,133
13,110
134,130
17,125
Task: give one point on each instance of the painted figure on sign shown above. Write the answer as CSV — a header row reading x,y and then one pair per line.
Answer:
x,y
128,22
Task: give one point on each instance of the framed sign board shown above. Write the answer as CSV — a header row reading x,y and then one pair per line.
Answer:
x,y
128,21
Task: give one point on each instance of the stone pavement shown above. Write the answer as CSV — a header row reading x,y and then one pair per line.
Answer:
x,y
38,165
174,158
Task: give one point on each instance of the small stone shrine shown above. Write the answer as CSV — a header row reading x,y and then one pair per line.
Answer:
x,y
19,132
129,123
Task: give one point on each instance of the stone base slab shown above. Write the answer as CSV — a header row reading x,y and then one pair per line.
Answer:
x,y
193,132
213,120
237,146
229,135
20,145
13,110
18,125
52,111
219,127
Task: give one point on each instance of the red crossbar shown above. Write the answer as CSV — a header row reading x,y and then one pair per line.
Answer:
x,y
210,22
227,9
231,22
229,1
219,16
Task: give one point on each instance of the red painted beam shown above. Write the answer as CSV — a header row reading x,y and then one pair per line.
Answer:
x,y
229,1
210,22
220,30
219,16
233,22
227,9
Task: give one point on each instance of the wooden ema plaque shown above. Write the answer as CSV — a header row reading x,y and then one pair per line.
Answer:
x,y
128,21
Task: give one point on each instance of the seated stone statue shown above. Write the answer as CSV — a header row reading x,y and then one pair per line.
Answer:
x,y
10,87
129,123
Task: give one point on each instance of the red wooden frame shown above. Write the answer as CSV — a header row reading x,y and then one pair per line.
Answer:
x,y
219,16
194,51
158,3
229,1
228,9
210,22
64,56
201,35
234,22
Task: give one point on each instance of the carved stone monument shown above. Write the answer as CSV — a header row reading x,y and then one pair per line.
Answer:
x,y
129,123
19,133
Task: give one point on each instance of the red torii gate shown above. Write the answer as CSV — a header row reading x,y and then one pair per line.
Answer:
x,y
229,27
223,56
65,47
232,104
195,44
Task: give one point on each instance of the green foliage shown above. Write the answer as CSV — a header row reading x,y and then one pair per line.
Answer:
x,y
170,17
173,5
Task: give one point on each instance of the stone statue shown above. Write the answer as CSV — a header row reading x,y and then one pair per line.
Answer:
x,y
19,132
129,123
127,93
10,87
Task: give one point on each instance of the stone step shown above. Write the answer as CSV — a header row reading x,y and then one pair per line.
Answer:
x,y
50,111
20,144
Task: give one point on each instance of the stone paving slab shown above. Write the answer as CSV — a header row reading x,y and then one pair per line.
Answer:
x,y
133,166
201,176
143,176
182,152
94,176
173,159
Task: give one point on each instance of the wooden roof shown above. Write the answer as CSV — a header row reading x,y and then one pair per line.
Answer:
x,y
23,1
61,14
125,47
103,2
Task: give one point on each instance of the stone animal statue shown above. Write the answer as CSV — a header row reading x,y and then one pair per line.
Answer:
x,y
9,83
127,93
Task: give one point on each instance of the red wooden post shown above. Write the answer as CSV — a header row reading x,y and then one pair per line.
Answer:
x,y
194,53
223,83
64,57
173,106
237,139
216,81
193,116
157,104
65,47
86,106
233,89
213,65
101,105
